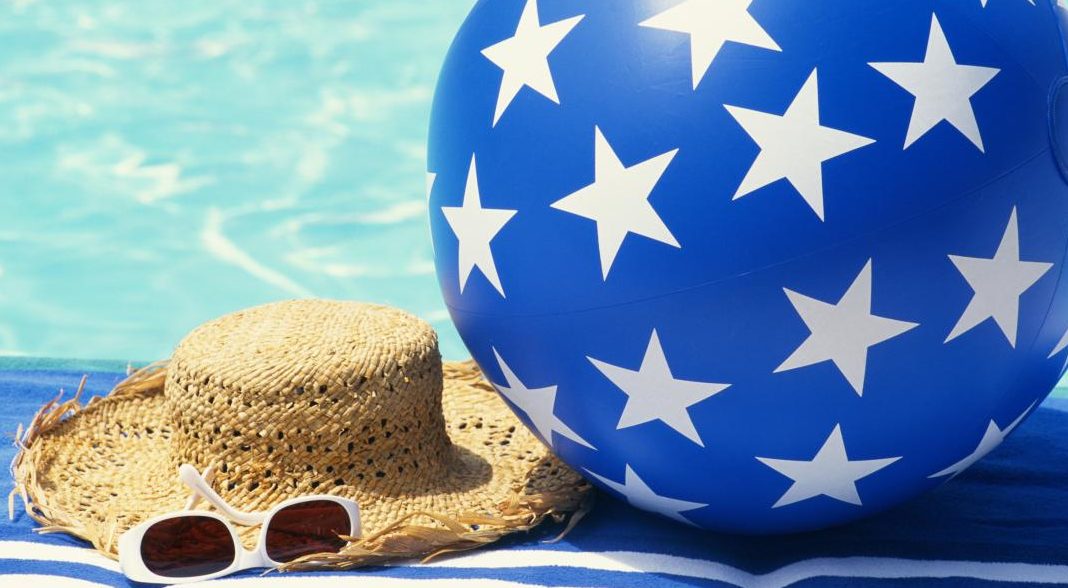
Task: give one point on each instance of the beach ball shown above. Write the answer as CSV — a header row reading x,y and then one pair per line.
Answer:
x,y
758,266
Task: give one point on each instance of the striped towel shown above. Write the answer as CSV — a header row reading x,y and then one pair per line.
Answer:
x,y
1003,523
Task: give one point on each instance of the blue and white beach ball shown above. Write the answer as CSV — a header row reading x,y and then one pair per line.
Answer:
x,y
754,265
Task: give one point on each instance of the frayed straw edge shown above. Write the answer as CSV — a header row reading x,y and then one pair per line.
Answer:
x,y
400,541
54,413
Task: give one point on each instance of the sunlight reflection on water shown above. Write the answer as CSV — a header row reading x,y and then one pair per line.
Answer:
x,y
165,163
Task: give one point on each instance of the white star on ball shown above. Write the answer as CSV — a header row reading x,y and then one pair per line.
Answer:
x,y
476,227
794,146
524,57
1061,346
992,438
710,24
618,201
998,283
830,473
640,495
843,332
539,404
431,179
942,87
654,394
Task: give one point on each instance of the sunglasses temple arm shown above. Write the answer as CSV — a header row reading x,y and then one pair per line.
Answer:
x,y
200,487
195,498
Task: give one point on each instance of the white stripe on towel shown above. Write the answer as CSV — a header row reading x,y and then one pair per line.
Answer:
x,y
846,567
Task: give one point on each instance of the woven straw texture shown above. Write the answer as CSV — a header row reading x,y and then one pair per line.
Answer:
x,y
299,398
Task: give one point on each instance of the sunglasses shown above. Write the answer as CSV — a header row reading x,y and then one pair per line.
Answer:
x,y
192,545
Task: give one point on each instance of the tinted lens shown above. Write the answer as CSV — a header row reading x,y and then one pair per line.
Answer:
x,y
185,547
307,528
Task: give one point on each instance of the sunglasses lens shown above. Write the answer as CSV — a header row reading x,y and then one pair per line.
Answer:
x,y
185,547
306,528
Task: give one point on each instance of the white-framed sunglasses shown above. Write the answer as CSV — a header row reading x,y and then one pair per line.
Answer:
x,y
195,545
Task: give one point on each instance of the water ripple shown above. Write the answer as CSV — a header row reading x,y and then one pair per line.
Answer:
x,y
168,164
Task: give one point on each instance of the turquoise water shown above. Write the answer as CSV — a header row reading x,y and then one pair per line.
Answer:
x,y
162,163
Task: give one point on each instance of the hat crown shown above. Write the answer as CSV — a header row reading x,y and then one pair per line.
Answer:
x,y
308,396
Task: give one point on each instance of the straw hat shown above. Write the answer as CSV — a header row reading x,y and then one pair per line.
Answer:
x,y
298,398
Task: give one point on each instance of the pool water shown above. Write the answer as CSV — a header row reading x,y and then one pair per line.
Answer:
x,y
164,163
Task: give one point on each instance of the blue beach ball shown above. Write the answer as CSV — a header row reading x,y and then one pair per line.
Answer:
x,y
758,266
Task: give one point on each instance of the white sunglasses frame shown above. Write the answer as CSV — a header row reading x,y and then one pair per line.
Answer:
x,y
133,566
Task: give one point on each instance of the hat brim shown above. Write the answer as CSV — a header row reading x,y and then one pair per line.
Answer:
x,y
94,471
